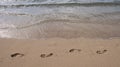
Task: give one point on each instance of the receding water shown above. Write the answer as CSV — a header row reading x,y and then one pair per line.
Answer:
x,y
35,19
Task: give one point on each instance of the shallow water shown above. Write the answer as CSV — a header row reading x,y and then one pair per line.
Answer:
x,y
35,19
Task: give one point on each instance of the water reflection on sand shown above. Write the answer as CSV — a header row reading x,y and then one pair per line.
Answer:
x,y
60,21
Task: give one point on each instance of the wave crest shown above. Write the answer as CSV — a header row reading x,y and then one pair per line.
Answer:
x,y
62,4
52,1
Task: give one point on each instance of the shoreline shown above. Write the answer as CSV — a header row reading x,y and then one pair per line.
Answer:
x,y
59,35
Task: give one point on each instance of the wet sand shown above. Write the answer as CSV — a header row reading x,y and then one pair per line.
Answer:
x,y
58,52
105,25
72,21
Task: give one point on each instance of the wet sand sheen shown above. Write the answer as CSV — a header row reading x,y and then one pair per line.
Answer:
x,y
53,21
59,22
64,29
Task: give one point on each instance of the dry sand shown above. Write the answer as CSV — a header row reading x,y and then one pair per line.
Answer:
x,y
56,52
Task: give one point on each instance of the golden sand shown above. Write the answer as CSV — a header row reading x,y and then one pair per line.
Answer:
x,y
56,52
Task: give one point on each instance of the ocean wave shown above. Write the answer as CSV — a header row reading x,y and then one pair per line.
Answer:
x,y
63,4
59,0
48,1
17,2
28,3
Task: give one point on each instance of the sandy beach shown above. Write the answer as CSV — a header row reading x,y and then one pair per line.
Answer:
x,y
59,33
58,52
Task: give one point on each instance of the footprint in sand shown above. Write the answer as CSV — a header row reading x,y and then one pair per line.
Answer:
x,y
46,55
17,54
101,51
0,60
73,50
